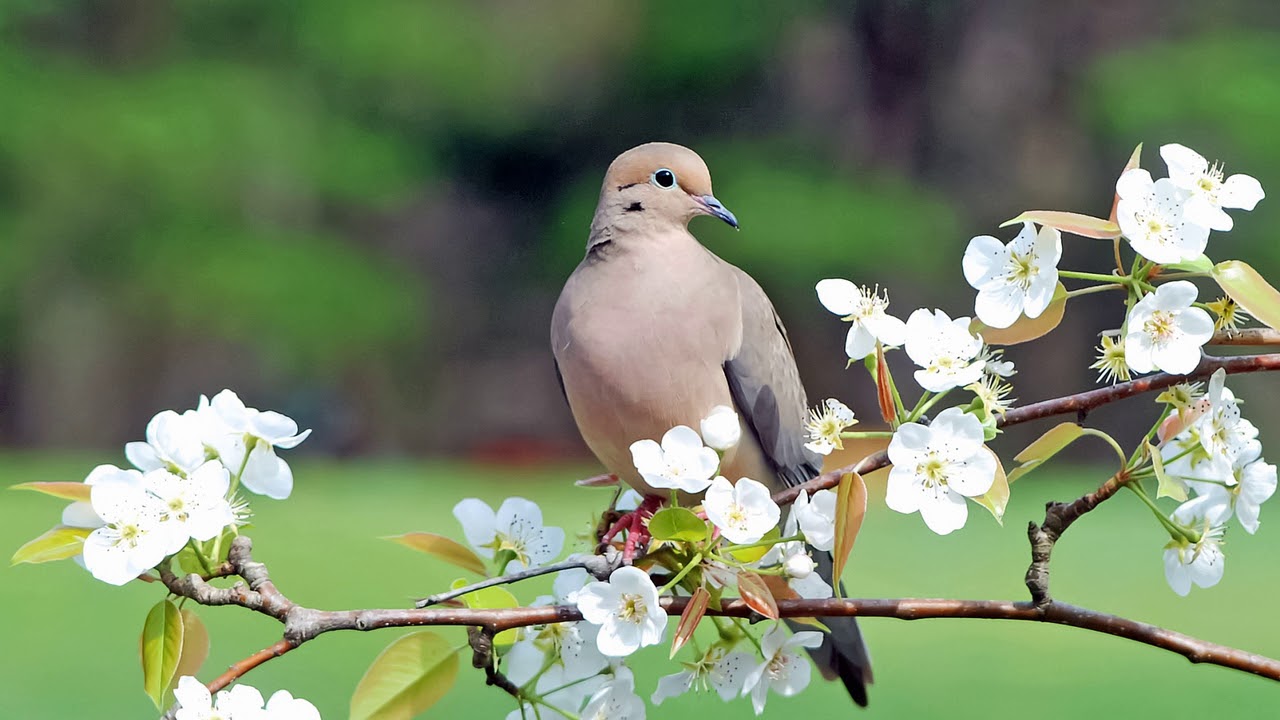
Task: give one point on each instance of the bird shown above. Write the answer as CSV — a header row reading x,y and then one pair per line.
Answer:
x,y
653,330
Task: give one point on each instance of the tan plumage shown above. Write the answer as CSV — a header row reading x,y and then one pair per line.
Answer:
x,y
653,330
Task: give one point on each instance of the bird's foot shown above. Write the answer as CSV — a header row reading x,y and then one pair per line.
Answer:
x,y
636,525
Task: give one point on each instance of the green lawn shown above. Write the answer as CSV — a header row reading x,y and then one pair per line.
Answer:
x,y
70,643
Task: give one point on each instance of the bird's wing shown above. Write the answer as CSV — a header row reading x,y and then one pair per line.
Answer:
x,y
766,386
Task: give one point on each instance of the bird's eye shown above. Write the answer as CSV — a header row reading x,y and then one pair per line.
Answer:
x,y
664,178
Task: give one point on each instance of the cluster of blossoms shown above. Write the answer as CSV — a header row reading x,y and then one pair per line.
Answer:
x,y
1212,453
182,488
1217,456
579,669
239,703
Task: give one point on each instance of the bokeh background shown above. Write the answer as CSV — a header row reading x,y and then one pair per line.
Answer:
x,y
361,214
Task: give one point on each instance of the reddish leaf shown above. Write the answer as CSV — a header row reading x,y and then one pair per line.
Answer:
x,y
884,393
1025,329
75,491
756,594
1074,223
442,547
1133,163
851,508
782,591
690,618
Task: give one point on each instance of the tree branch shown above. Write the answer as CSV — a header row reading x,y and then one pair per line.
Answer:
x,y
1057,518
1247,336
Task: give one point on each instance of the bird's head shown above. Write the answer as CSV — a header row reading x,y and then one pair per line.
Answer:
x,y
660,183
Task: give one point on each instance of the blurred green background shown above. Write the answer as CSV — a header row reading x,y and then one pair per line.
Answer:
x,y
361,214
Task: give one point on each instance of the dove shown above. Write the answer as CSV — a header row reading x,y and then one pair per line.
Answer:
x,y
653,330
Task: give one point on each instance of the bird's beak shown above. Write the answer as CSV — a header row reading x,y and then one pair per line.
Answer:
x,y
712,206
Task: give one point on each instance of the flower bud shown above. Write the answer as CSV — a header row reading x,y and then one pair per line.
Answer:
x,y
720,429
799,566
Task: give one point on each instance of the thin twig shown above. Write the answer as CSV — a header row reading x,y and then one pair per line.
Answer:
x,y
599,566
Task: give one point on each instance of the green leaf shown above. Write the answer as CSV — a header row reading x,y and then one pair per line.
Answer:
x,y
161,646
451,551
1201,264
58,543
851,508
677,524
1250,291
1169,487
1045,447
996,499
1074,223
1025,329
409,676
195,650
752,554
490,598
75,491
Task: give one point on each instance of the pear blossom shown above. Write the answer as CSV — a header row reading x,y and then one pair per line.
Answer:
x,y
556,690
626,609
681,462
1252,481
784,670
1201,563
815,517
865,309
197,505
719,670
284,706
249,439
824,426
175,441
1165,332
721,429
945,350
570,645
1208,192
616,700
1152,215
134,537
1221,430
238,703
799,569
936,467
516,527
1015,279
744,511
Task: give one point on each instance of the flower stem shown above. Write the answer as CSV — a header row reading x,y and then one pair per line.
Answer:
x,y
1094,289
866,435
1109,279
694,562
749,636
1175,531
924,407
1110,441
764,543
204,562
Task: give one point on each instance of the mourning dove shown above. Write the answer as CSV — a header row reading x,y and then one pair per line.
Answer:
x,y
653,330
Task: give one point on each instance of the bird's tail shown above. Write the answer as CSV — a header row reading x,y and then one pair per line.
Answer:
x,y
843,654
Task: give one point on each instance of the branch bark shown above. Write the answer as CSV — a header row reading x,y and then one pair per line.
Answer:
x,y
1057,518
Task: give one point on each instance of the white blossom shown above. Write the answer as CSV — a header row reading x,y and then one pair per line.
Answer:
x,y
1201,563
238,703
936,467
555,686
718,670
197,505
744,511
569,645
945,350
616,700
1251,482
134,537
284,706
1015,279
1165,332
784,670
1152,215
681,462
721,429
865,309
259,433
626,609
1208,192
175,441
824,426
815,517
516,527
799,569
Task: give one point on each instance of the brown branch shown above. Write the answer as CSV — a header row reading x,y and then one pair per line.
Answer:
x,y
1247,336
241,667
1057,518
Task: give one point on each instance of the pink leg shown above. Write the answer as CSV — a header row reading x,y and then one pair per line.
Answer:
x,y
635,523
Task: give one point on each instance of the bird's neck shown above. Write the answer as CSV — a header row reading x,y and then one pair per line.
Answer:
x,y
619,224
